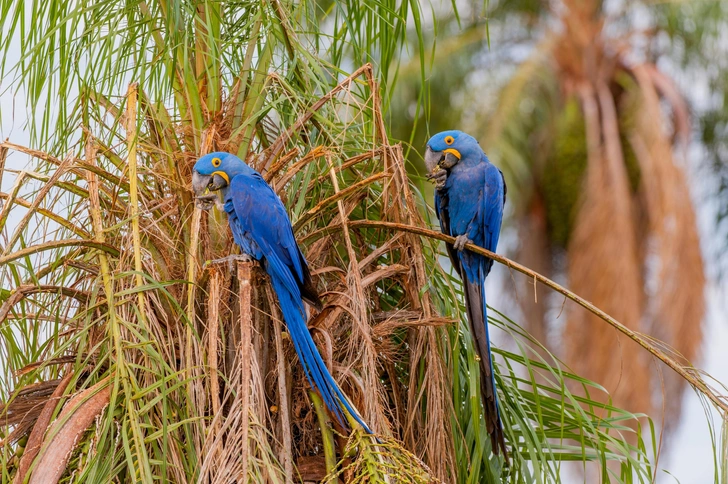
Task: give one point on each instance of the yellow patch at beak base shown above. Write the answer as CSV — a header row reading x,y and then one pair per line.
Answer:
x,y
453,151
227,178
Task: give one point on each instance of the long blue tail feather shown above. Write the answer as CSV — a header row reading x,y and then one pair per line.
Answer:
x,y
497,438
475,301
313,364
487,334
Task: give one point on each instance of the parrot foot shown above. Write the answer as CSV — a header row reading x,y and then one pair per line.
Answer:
x,y
439,176
229,260
206,202
460,242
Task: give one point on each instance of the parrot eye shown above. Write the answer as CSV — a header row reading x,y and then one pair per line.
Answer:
x,y
449,140
216,162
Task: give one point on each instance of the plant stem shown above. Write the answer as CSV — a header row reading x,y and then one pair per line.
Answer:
x,y
327,436
245,355
131,134
283,409
120,374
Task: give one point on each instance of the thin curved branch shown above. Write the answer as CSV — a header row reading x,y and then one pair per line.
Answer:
x,y
23,291
337,196
113,251
688,373
278,145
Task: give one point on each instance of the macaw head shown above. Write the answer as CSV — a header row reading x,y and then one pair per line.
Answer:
x,y
214,172
448,148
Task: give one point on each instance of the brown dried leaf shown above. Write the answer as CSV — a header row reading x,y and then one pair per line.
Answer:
x,y
39,429
60,441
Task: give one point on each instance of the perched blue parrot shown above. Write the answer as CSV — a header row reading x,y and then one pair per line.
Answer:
x,y
262,229
469,199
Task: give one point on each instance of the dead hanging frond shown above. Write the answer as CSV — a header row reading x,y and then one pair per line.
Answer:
x,y
27,409
40,427
361,344
604,245
678,303
238,446
630,177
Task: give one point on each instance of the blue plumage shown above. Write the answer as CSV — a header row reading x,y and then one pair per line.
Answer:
x,y
469,204
262,229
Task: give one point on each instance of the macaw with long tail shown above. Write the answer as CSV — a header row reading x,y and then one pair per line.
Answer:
x,y
469,198
262,229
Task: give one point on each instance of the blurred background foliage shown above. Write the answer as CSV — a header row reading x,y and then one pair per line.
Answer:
x,y
694,41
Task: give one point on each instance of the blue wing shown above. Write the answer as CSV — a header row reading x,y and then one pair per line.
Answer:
x,y
259,214
443,216
491,214
259,223
492,204
240,236
261,227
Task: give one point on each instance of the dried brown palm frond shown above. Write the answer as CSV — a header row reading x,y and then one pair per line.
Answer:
x,y
237,445
28,408
59,443
610,251
603,250
678,301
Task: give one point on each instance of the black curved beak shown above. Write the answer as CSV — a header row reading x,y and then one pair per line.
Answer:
x,y
432,158
441,158
202,183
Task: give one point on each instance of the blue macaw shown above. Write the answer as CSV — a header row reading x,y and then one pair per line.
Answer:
x,y
469,199
262,229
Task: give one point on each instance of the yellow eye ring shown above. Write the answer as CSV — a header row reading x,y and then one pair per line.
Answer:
x,y
216,162
449,140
